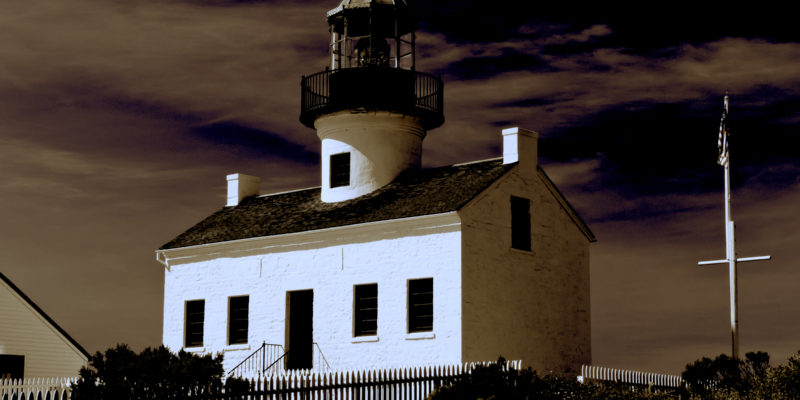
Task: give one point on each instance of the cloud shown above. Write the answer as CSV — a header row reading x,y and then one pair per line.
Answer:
x,y
595,31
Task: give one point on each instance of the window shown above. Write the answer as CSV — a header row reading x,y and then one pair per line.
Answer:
x,y
365,310
12,366
195,314
420,305
340,169
520,223
238,309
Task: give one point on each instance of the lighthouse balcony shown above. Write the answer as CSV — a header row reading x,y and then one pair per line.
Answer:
x,y
373,88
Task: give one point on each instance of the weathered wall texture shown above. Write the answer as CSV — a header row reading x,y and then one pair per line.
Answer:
x,y
330,262
23,331
525,305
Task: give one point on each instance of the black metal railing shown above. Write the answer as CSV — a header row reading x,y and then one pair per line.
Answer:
x,y
262,358
373,89
271,359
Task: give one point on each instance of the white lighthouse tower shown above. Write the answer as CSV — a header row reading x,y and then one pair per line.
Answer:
x,y
370,107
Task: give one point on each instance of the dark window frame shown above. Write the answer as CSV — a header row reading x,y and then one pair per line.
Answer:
x,y
420,305
520,223
194,323
339,168
365,309
238,319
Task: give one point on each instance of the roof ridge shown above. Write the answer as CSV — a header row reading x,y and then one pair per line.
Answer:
x,y
288,191
43,314
477,161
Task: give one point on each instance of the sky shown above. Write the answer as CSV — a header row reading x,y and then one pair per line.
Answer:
x,y
119,121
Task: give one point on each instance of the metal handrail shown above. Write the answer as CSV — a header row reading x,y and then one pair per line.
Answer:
x,y
263,350
319,362
264,371
373,88
322,356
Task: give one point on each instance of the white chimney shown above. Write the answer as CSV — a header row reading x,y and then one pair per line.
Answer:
x,y
241,186
520,145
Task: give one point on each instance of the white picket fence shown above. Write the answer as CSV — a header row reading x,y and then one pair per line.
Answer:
x,y
36,388
595,373
412,383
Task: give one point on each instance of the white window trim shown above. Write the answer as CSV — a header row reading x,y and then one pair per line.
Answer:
x,y
420,335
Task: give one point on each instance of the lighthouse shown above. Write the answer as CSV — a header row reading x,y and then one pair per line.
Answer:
x,y
385,264
370,107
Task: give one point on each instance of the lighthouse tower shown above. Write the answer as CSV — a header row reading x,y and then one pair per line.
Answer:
x,y
370,107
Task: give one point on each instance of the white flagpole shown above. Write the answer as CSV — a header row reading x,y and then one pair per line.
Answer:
x,y
730,240
730,247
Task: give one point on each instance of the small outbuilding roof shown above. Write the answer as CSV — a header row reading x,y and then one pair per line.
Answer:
x,y
41,312
414,193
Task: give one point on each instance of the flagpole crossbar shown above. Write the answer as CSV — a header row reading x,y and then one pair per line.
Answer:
x,y
742,259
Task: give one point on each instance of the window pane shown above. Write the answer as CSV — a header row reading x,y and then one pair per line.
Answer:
x,y
238,313
420,305
520,223
340,169
365,313
195,314
12,366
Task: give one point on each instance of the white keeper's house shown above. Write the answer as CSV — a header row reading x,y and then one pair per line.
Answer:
x,y
31,343
386,264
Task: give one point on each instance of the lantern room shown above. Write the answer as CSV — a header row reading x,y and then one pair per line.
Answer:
x,y
371,33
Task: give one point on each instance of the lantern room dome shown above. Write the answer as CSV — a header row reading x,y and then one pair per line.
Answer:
x,y
350,4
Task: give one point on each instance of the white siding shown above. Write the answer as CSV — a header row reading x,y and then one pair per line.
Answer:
x,y
330,262
23,331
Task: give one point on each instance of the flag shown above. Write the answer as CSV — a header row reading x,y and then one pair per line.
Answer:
x,y
722,142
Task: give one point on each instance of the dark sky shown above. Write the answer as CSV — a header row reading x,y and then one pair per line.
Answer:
x,y
120,119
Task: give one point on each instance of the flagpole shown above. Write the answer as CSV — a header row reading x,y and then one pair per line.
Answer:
x,y
730,247
730,242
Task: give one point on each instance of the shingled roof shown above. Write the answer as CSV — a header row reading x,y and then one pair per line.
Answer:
x,y
414,193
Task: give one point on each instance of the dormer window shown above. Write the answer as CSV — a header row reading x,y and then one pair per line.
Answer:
x,y
340,170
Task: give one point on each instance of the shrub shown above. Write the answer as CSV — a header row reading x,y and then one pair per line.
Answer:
x,y
155,373
499,382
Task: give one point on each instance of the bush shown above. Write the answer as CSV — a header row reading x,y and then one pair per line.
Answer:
x,y
499,382
155,373
748,379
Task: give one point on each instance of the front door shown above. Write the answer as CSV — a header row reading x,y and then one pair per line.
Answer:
x,y
299,329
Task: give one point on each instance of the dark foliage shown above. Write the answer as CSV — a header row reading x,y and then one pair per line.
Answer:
x,y
499,382
155,373
748,379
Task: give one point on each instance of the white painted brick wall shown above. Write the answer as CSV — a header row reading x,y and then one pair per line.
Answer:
x,y
532,306
330,262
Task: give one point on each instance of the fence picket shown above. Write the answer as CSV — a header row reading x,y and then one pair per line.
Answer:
x,y
38,388
631,377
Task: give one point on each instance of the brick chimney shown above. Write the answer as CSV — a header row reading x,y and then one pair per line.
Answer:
x,y
241,186
520,145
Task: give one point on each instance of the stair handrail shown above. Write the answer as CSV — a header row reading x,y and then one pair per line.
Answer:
x,y
263,350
